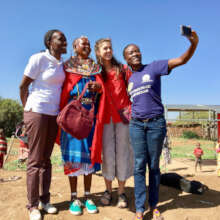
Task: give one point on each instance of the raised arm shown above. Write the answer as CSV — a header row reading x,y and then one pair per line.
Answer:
x,y
26,81
194,39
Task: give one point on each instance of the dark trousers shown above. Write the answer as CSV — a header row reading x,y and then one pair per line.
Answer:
x,y
41,131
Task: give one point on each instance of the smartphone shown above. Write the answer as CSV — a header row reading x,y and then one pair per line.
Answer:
x,y
186,30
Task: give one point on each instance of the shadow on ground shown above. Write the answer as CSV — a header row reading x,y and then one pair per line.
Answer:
x,y
173,200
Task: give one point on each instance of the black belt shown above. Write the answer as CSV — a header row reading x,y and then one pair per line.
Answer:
x,y
147,119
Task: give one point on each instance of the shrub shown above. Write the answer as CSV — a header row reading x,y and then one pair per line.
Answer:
x,y
11,112
190,135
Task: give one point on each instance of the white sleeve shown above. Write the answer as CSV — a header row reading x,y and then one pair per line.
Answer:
x,y
33,67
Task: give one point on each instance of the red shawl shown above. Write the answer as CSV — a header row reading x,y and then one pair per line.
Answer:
x,y
96,148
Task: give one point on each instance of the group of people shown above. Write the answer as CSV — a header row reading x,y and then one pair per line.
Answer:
x,y
122,150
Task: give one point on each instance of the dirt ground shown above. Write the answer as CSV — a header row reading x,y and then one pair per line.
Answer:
x,y
174,205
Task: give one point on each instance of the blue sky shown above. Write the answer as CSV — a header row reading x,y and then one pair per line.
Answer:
x,y
151,24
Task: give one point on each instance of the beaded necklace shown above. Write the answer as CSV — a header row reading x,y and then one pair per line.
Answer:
x,y
85,67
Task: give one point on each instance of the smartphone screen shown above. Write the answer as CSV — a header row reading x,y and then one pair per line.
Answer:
x,y
185,30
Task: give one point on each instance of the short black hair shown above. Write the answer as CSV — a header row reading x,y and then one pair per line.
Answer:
x,y
48,35
127,47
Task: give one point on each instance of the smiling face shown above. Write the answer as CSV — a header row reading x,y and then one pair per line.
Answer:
x,y
58,43
82,47
132,56
105,51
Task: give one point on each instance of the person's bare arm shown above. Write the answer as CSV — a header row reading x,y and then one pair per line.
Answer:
x,y
194,39
26,81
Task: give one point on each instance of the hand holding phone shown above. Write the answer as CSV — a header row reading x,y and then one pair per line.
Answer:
x,y
186,30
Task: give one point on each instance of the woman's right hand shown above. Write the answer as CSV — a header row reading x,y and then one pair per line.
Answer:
x,y
94,86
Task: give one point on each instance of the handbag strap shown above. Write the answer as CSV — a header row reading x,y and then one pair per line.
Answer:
x,y
83,91
91,111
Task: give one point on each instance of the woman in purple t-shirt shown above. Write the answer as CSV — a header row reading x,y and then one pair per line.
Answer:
x,y
148,126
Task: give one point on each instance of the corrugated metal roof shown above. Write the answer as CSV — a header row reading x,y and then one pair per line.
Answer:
x,y
215,108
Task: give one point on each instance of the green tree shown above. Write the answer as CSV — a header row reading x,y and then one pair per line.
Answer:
x,y
11,112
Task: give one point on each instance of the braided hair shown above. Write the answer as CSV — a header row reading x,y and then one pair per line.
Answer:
x,y
48,36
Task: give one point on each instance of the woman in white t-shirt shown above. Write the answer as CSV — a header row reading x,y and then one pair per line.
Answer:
x,y
40,95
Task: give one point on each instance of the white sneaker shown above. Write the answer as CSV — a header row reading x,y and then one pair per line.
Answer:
x,y
35,214
49,208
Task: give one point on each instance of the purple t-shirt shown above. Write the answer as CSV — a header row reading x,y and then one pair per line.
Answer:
x,y
145,90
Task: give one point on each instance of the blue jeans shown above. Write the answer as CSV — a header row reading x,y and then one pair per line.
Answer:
x,y
147,140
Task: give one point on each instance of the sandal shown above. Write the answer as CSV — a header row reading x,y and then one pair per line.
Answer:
x,y
140,217
157,215
106,198
122,201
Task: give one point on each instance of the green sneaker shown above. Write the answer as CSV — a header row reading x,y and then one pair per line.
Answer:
x,y
90,206
75,207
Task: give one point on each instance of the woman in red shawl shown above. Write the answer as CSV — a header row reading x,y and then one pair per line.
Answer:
x,y
82,157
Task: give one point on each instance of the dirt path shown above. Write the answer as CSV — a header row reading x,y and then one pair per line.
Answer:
x,y
174,204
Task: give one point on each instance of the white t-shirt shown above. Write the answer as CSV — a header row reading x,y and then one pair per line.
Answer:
x,y
48,75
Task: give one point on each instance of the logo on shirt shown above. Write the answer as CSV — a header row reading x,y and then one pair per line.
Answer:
x,y
130,86
146,78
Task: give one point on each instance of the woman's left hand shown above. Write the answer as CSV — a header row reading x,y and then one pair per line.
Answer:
x,y
94,86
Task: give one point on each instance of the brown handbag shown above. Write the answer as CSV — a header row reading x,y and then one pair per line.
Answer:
x,y
75,119
125,114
